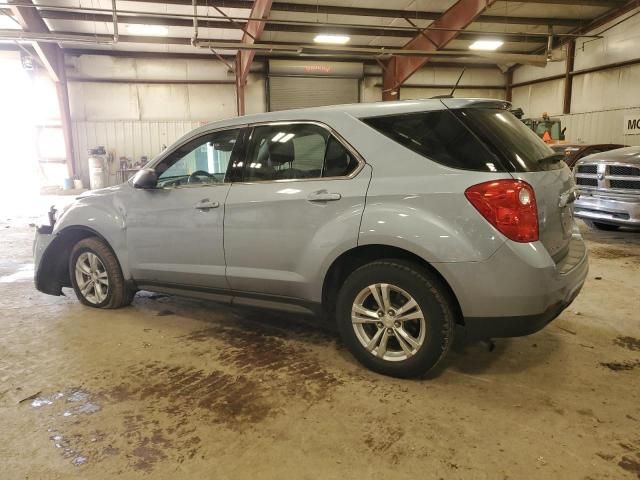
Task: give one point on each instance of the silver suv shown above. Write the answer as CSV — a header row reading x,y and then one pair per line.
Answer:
x,y
609,185
399,221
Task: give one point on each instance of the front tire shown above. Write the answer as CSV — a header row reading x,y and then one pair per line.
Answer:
x,y
396,318
96,276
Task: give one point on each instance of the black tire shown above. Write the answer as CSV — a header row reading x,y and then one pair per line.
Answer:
x,y
118,293
432,298
604,226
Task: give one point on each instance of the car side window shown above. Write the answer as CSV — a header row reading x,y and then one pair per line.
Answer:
x,y
295,151
202,161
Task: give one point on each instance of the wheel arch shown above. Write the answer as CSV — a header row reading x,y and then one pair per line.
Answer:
x,y
53,271
354,258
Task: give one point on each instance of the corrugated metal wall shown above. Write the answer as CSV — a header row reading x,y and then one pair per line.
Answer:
x,y
125,138
600,127
418,93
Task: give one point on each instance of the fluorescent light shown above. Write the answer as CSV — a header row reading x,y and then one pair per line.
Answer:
x,y
141,29
330,38
486,45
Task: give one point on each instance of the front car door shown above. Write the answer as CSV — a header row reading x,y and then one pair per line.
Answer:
x,y
299,201
175,231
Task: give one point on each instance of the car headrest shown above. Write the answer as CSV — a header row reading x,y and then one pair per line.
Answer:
x,y
280,153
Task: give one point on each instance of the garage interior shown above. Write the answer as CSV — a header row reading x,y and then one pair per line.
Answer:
x,y
179,388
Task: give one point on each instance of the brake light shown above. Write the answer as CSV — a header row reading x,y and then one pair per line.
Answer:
x,y
508,205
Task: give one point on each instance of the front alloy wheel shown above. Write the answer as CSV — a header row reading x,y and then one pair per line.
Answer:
x,y
92,278
96,275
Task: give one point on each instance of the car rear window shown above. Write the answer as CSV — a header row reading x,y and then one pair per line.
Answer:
x,y
480,139
517,146
438,136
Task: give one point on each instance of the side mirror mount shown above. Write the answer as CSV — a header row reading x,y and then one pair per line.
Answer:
x,y
145,179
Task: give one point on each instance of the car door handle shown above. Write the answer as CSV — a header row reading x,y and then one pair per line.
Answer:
x,y
323,196
206,204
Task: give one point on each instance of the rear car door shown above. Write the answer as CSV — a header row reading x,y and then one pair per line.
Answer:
x,y
175,231
300,200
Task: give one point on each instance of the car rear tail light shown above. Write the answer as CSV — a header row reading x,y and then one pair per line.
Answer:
x,y
508,205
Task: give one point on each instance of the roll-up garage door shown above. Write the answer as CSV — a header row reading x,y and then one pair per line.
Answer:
x,y
300,92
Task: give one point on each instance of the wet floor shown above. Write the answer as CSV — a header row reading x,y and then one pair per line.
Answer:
x,y
177,388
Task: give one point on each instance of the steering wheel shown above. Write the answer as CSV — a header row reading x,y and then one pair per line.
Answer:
x,y
194,177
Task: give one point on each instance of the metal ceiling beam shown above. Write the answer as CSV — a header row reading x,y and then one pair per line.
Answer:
x,y
52,58
354,30
460,15
393,13
32,22
252,31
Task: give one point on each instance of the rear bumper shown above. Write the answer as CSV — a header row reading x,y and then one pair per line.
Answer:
x,y
622,211
518,326
519,290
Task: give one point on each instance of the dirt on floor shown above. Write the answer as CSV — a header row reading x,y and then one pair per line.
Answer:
x,y
176,388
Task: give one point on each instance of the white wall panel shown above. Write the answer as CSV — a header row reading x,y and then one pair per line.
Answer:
x,y
368,90
449,76
103,101
416,93
600,127
606,90
620,43
539,98
131,139
526,73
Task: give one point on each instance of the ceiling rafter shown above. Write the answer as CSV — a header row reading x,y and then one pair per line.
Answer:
x,y
396,13
460,15
372,31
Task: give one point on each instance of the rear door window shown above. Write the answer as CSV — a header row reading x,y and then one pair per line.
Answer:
x,y
295,151
438,136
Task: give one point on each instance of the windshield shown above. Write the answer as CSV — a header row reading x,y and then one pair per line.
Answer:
x,y
520,149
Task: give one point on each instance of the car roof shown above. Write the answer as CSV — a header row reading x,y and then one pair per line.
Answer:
x,y
357,110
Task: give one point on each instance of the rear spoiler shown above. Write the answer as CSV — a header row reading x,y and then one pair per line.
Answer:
x,y
452,103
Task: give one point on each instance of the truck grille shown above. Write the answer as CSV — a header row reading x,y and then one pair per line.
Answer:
x,y
607,177
588,169
633,184
623,170
590,182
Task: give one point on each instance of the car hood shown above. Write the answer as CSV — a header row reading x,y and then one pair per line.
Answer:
x,y
629,155
101,192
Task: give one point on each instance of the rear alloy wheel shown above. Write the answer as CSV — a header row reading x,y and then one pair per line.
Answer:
x,y
96,275
388,322
396,318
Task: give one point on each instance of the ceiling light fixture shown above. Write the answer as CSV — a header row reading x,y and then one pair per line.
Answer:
x,y
486,45
331,38
142,29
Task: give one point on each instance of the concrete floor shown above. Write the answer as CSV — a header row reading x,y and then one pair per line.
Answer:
x,y
175,388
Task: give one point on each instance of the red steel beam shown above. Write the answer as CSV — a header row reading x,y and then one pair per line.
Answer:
x,y
459,16
52,58
252,31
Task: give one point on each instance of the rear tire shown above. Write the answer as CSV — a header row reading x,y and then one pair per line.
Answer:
x,y
604,226
396,318
96,276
